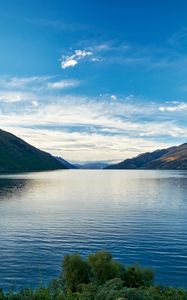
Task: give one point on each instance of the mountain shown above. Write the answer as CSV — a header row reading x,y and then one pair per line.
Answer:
x,y
66,163
17,155
93,165
174,158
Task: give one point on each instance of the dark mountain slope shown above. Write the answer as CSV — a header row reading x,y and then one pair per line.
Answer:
x,y
171,158
175,158
66,163
17,155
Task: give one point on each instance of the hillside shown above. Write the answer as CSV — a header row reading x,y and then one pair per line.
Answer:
x,y
66,163
174,158
93,166
17,155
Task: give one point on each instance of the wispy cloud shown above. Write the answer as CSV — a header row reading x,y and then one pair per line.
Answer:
x,y
77,125
178,38
108,46
179,107
113,126
16,96
60,25
79,146
150,56
63,84
14,89
113,97
13,97
72,60
21,82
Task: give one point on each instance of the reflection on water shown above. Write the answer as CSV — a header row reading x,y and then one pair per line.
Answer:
x,y
138,215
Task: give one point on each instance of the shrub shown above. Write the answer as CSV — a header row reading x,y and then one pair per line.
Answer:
x,y
136,277
99,278
75,271
103,267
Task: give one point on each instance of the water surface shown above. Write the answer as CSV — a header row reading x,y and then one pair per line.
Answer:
x,y
140,216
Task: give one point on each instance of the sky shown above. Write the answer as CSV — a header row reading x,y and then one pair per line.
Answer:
x,y
94,80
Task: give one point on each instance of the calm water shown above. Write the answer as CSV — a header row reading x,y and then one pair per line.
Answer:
x,y
140,216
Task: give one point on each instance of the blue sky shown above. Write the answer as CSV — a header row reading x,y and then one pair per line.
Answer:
x,y
94,80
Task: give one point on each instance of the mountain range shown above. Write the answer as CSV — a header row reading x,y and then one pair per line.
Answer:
x,y
18,156
165,159
92,165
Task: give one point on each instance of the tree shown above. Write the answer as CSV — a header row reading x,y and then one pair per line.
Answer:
x,y
136,277
75,271
103,267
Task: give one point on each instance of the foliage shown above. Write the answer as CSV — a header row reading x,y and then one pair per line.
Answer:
x,y
136,277
99,277
103,267
75,271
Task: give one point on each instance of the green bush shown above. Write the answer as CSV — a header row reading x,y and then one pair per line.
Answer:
x,y
75,271
103,267
1,294
137,277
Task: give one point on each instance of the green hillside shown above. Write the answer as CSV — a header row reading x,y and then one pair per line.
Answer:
x,y
17,155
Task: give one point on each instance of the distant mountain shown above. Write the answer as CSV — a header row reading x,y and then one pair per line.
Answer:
x,y
172,158
17,155
93,165
66,163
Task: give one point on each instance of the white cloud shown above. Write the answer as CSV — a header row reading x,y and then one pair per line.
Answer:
x,y
96,59
68,63
113,97
71,61
108,46
86,128
175,108
63,84
14,89
21,82
79,145
11,97
148,56
77,125
35,103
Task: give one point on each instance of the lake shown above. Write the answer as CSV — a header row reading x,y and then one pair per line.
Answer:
x,y
140,216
